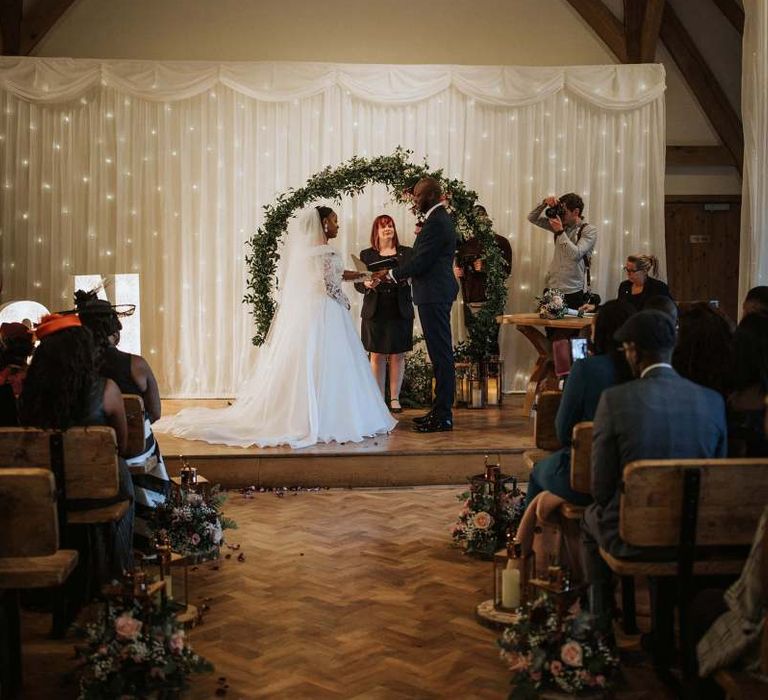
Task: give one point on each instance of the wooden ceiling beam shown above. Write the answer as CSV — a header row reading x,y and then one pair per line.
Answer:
x,y
733,12
710,156
704,85
605,24
642,21
10,24
39,23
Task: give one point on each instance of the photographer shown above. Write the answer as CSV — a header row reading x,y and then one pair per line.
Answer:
x,y
574,242
469,268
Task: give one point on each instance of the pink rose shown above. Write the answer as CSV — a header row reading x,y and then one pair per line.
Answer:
x,y
176,642
126,627
156,672
571,654
556,667
195,538
600,679
535,676
482,520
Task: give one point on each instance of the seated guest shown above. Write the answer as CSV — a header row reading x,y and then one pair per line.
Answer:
x,y
62,390
750,385
387,313
469,268
731,627
133,375
586,381
550,482
16,345
665,304
704,350
660,415
639,285
756,301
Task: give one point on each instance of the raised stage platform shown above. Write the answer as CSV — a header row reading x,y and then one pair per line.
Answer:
x,y
403,458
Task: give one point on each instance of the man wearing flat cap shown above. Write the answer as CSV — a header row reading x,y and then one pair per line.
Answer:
x,y
659,415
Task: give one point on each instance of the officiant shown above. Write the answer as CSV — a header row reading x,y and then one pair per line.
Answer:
x,y
387,327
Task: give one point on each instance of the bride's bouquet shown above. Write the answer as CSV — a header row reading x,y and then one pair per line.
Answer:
x,y
552,304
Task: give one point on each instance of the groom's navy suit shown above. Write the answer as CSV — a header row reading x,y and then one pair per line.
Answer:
x,y
434,291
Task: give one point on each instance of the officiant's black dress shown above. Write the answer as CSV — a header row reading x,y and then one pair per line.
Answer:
x,y
387,314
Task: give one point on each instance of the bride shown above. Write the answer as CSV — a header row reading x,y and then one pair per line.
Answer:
x,y
311,381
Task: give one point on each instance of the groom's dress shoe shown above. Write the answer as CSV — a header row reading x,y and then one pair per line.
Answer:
x,y
435,425
420,420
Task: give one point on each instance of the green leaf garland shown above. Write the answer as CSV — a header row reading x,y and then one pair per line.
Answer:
x,y
399,175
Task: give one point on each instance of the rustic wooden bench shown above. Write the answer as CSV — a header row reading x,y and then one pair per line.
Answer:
x,y
700,516
29,554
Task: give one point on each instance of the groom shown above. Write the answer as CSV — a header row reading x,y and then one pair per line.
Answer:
x,y
430,270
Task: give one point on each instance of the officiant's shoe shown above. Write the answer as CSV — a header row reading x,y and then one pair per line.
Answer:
x,y
420,420
435,425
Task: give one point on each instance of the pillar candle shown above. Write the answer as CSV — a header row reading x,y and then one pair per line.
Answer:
x,y
493,390
510,586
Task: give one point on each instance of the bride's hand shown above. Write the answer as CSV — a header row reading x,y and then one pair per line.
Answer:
x,y
372,283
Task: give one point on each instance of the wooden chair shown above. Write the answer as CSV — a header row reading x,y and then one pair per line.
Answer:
x,y
581,481
581,467
134,412
84,459
544,434
29,553
704,512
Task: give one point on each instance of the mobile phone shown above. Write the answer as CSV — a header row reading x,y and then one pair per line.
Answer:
x,y
578,349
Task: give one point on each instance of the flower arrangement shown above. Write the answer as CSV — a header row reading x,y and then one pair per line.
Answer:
x,y
485,520
552,304
193,522
416,390
547,652
134,650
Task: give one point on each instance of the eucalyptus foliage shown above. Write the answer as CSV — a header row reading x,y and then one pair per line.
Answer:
x,y
399,175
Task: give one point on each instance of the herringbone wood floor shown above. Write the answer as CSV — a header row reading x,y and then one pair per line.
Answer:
x,y
342,594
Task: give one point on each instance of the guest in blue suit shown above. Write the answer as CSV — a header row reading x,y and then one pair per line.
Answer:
x,y
659,415
586,382
430,270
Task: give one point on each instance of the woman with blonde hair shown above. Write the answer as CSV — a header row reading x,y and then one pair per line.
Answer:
x,y
641,283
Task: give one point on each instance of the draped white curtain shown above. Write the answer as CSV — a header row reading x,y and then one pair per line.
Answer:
x,y
753,263
162,168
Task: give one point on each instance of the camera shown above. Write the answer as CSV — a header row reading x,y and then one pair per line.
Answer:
x,y
466,262
554,212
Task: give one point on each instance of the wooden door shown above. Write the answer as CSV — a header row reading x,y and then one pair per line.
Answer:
x,y
702,237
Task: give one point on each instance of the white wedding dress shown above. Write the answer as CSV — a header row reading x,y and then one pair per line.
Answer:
x,y
312,381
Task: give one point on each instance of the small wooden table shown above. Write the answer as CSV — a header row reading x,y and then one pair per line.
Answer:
x,y
543,367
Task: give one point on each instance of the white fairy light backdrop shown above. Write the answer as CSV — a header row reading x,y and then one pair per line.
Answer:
x,y
162,169
124,289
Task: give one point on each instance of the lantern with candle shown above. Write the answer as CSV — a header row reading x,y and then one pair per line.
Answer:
x,y
494,380
476,398
511,575
462,394
492,507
